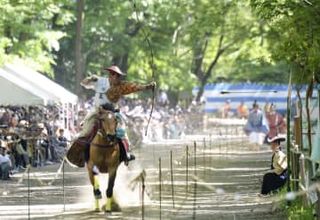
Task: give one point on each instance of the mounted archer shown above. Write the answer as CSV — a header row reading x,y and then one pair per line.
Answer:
x,y
109,90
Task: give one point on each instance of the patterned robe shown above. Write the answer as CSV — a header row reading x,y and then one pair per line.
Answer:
x,y
276,123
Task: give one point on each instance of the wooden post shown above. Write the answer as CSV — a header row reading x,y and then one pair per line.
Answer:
x,y
302,170
295,169
298,131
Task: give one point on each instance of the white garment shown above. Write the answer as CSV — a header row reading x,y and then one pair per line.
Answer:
x,y
5,159
257,137
101,86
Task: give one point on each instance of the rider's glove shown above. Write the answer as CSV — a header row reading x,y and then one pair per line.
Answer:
x,y
151,85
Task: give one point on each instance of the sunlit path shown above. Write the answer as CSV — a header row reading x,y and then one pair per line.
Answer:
x,y
213,181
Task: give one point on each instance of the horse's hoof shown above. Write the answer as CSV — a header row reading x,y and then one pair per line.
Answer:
x,y
107,213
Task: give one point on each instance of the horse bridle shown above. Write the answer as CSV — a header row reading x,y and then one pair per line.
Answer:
x,y
109,138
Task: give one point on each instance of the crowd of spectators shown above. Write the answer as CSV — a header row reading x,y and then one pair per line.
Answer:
x,y
30,136
38,135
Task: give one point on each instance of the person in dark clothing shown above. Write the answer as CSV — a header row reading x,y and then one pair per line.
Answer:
x,y
62,140
277,176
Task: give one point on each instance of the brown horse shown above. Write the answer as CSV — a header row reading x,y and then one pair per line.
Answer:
x,y
104,156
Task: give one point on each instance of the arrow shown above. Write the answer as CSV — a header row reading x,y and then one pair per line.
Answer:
x,y
259,91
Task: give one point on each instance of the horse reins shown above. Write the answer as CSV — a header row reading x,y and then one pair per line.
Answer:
x,y
111,138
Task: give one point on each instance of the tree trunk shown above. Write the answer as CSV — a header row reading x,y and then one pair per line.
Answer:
x,y
203,76
78,47
200,92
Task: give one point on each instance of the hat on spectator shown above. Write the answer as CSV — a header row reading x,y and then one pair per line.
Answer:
x,y
41,125
3,144
276,138
23,123
44,132
115,69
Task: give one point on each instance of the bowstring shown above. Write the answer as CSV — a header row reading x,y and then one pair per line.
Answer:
x,y
151,63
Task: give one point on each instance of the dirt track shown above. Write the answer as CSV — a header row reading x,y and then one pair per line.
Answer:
x,y
221,182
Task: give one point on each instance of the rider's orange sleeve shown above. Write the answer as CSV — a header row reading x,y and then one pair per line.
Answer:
x,y
125,88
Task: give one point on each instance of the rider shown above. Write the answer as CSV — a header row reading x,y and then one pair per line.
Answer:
x,y
108,92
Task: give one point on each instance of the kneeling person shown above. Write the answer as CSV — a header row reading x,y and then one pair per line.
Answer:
x,y
277,176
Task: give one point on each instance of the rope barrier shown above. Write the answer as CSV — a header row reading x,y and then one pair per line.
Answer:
x,y
42,183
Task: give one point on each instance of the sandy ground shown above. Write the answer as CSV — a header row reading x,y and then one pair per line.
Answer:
x,y
215,179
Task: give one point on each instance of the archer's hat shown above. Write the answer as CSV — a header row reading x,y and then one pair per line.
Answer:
x,y
276,138
115,69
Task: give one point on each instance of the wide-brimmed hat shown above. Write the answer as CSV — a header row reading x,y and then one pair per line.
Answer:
x,y
115,69
276,138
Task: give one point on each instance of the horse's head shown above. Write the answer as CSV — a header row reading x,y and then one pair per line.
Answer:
x,y
108,124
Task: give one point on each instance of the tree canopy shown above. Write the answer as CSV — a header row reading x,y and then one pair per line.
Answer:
x,y
182,43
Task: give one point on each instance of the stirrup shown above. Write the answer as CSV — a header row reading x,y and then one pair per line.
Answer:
x,y
129,158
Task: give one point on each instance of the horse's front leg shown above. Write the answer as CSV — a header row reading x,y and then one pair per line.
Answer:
x,y
94,179
112,177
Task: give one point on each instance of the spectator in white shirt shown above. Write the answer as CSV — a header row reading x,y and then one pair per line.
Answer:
x,y
5,164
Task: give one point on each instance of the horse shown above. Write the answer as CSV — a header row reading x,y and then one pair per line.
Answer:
x,y
104,156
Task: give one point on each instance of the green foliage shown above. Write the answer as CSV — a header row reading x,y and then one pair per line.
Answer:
x,y
27,31
297,210
177,41
294,33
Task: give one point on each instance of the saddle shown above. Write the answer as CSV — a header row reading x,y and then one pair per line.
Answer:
x,y
76,153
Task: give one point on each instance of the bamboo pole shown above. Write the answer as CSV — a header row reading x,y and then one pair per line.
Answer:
x,y
195,182
195,158
210,146
29,192
220,135
187,167
160,177
288,133
203,155
172,182
142,196
63,187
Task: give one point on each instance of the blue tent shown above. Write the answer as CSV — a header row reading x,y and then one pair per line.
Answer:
x,y
217,94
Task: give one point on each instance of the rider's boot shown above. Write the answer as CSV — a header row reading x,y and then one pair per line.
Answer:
x,y
129,155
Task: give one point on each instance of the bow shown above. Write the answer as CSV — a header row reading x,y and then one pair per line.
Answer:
x,y
151,63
